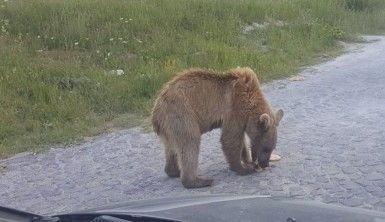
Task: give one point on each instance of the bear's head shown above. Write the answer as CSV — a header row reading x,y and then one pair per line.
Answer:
x,y
262,132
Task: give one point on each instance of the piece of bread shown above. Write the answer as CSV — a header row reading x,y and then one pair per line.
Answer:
x,y
275,157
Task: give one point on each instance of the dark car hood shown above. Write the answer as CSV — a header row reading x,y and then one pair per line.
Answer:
x,y
241,208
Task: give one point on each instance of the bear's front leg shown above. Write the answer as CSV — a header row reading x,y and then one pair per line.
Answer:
x,y
246,159
233,146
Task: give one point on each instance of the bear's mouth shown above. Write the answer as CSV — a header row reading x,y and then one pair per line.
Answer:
x,y
263,163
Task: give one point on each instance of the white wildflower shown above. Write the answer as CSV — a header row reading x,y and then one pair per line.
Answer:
x,y
111,39
130,19
124,42
97,51
38,37
52,38
120,39
138,40
76,43
121,19
117,72
253,26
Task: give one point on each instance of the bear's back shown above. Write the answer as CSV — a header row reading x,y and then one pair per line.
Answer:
x,y
206,96
203,94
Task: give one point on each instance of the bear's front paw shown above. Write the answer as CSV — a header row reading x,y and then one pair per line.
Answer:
x,y
246,169
250,165
197,182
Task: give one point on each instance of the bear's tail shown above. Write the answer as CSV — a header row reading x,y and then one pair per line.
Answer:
x,y
155,120
156,126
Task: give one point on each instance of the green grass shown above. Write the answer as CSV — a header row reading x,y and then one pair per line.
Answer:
x,y
54,54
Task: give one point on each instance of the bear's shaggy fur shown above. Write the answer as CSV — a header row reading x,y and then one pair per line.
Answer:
x,y
197,101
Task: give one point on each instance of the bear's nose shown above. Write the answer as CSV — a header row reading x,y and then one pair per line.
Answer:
x,y
264,164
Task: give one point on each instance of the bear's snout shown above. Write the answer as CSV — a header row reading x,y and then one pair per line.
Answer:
x,y
263,164
263,160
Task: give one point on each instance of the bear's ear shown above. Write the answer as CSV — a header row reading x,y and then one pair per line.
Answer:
x,y
247,81
264,121
246,78
278,116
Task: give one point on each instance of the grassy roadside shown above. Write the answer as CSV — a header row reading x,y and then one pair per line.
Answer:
x,y
56,56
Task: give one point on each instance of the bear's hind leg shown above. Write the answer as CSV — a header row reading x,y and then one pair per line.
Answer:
x,y
188,160
171,168
183,133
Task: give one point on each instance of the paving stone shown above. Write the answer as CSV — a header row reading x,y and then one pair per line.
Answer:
x,y
329,198
374,176
363,182
372,201
296,191
378,193
373,188
352,202
48,193
380,184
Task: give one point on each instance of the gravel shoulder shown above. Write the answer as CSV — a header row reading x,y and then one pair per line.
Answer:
x,y
332,141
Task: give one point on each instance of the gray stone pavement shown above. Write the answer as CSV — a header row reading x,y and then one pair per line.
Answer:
x,y
332,141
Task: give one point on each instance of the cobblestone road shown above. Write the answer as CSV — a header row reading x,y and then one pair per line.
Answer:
x,y
332,140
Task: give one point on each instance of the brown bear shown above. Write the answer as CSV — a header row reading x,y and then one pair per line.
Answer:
x,y
197,101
